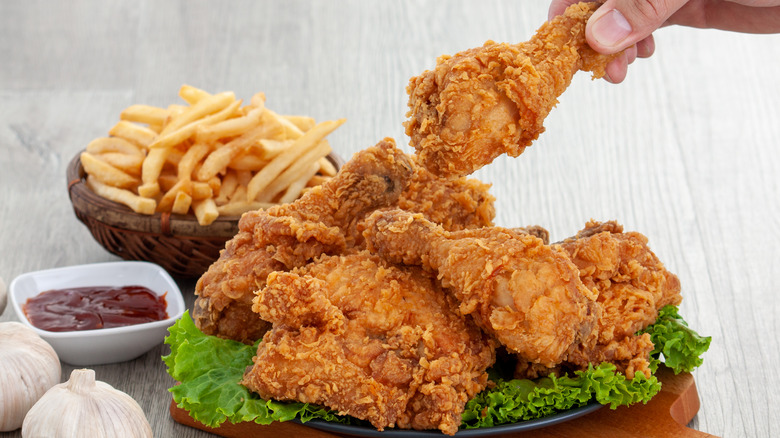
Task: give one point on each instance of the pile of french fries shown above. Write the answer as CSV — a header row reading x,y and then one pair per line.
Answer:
x,y
210,157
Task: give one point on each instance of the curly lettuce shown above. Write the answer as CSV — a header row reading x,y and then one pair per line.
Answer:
x,y
209,370
511,401
680,346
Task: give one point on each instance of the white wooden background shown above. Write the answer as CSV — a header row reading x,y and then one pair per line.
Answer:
x,y
685,150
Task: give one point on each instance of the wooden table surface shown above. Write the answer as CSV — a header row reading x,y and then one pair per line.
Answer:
x,y
684,151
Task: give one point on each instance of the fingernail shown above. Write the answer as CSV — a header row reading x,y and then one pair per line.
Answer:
x,y
611,28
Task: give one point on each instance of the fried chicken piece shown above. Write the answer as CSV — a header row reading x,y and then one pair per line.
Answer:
x,y
490,100
632,285
282,237
527,294
371,340
535,230
455,204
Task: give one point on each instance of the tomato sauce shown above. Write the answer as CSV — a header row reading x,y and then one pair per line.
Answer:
x,y
90,308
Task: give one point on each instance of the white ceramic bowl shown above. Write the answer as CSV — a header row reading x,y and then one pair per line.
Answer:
x,y
109,345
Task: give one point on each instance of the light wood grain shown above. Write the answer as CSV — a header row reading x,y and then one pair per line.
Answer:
x,y
685,150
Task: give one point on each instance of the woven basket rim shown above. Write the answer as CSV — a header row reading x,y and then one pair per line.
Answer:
x,y
87,203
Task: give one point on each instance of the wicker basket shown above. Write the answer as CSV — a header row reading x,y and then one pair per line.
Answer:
x,y
176,242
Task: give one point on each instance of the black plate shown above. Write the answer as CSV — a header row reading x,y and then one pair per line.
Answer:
x,y
363,431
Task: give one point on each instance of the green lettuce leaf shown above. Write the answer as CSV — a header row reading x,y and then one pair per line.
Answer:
x,y
680,346
516,400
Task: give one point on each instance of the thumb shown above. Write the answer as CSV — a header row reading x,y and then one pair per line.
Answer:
x,y
619,24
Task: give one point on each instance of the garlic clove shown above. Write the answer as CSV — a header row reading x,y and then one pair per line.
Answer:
x,y
3,295
29,366
84,407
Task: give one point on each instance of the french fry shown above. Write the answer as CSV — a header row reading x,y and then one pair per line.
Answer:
x,y
243,176
166,181
106,173
156,128
136,203
173,157
205,211
240,207
303,123
247,160
215,183
201,190
181,203
239,194
130,164
295,188
174,111
293,172
191,158
228,128
289,129
210,156
169,137
229,184
265,176
204,107
166,202
133,133
271,148
219,160
327,168
149,190
150,172
151,115
113,144
192,95
274,130
257,101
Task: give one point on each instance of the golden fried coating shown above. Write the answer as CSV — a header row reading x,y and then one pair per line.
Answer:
x,y
525,293
483,102
286,236
632,285
371,340
455,204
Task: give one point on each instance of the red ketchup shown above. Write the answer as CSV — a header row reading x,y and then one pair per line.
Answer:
x,y
89,308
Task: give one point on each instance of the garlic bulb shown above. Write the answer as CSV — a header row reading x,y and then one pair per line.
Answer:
x,y
28,368
3,295
83,407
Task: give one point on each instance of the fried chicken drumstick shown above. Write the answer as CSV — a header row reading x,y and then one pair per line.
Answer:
x,y
371,340
483,102
286,236
527,294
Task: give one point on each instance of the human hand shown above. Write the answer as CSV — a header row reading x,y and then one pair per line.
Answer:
x,y
629,24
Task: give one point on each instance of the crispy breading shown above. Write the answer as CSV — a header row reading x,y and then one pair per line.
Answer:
x,y
282,237
632,285
371,340
487,101
527,294
455,204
